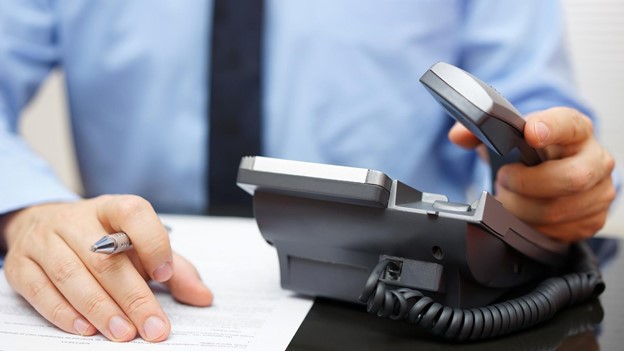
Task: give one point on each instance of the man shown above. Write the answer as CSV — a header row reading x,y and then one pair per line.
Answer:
x,y
340,85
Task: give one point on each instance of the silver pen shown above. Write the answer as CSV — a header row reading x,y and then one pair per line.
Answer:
x,y
115,243
112,243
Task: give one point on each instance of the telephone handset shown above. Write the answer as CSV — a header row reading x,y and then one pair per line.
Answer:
x,y
356,235
481,109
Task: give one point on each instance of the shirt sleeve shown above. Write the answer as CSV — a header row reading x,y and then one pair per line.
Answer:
x,y
29,50
519,47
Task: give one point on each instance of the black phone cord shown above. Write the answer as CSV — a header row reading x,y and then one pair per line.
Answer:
x,y
490,321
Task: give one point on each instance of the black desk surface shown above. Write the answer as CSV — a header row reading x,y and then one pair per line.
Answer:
x,y
595,325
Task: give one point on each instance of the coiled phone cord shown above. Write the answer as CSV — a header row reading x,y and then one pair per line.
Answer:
x,y
493,320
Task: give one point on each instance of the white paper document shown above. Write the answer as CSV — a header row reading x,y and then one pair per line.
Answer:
x,y
250,310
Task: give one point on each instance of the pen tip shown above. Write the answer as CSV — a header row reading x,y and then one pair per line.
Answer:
x,y
93,248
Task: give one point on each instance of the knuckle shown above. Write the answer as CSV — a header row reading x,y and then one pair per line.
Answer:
x,y
599,223
12,267
571,123
582,124
59,311
609,162
553,214
136,300
128,207
611,194
64,271
587,124
103,198
106,265
515,180
592,226
96,304
38,231
34,288
155,248
578,178
63,214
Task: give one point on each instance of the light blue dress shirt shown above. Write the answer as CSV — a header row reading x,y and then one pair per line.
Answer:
x,y
340,86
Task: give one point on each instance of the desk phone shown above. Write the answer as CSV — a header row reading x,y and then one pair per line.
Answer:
x,y
463,271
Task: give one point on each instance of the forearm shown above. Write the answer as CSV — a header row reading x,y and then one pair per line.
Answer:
x,y
26,178
29,51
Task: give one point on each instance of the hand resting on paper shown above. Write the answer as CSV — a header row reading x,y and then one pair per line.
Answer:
x,y
49,263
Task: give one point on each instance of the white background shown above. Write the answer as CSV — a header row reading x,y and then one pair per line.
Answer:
x,y
595,36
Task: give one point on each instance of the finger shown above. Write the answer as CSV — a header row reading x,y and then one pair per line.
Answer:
x,y
117,282
577,230
540,211
461,136
136,217
136,262
79,286
554,178
128,289
29,281
557,126
186,285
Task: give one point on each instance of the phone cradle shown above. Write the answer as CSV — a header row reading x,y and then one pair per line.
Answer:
x,y
332,226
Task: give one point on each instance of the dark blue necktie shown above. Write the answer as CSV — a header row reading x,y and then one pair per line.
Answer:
x,y
235,123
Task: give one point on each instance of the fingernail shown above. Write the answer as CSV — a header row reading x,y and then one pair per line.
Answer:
x,y
119,327
502,178
154,328
163,273
81,326
541,130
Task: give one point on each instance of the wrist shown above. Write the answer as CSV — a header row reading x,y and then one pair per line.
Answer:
x,y
18,220
5,219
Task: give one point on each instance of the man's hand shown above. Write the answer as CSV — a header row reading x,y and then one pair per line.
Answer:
x,y
49,263
566,197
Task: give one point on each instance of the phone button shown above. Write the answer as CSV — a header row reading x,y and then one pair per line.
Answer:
x,y
451,206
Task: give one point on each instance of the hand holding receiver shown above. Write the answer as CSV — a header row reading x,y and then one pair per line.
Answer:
x,y
563,188
567,197
49,263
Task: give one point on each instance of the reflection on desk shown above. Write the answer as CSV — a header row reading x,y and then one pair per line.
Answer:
x,y
581,327
349,328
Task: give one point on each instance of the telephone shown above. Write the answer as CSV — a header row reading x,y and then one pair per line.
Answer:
x,y
462,271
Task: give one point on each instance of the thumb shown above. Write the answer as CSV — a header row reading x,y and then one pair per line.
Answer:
x,y
186,285
561,127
